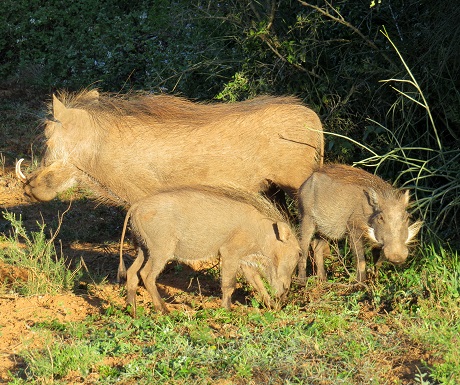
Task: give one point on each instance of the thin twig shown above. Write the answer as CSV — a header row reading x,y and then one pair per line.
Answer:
x,y
60,220
341,20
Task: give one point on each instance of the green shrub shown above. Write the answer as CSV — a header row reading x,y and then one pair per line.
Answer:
x,y
151,45
35,255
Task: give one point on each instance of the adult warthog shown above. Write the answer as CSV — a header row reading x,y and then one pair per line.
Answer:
x,y
126,149
187,224
338,201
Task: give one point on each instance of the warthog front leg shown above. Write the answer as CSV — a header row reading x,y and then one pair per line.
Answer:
x,y
356,242
254,279
307,229
317,247
229,268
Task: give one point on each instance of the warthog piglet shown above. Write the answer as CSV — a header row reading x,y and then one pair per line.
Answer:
x,y
339,200
186,224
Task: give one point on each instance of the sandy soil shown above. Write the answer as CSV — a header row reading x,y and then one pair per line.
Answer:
x,y
100,256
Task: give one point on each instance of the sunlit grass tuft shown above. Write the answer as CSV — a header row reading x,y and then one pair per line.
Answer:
x,y
35,256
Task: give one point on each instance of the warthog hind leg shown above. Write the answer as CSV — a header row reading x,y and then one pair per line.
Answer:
x,y
132,280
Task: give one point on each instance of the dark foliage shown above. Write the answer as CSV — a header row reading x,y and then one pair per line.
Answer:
x,y
331,54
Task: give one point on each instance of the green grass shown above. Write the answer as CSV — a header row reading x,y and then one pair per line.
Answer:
x,y
437,321
422,158
34,254
408,318
403,327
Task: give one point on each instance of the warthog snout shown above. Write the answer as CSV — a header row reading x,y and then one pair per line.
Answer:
x,y
397,259
50,180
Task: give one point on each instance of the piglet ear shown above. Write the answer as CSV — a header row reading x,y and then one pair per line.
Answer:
x,y
372,198
283,231
406,197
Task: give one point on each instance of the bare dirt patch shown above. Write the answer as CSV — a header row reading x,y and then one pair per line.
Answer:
x,y
18,316
89,234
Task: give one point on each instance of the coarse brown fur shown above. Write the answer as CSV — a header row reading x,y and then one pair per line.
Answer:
x,y
355,176
190,224
257,201
339,200
128,147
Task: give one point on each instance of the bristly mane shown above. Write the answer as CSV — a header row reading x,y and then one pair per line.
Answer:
x,y
256,200
356,176
143,108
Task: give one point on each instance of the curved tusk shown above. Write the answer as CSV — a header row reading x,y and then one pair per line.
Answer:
x,y
19,173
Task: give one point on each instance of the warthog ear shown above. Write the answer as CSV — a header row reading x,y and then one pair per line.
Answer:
x,y
372,198
58,108
406,197
413,230
283,231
